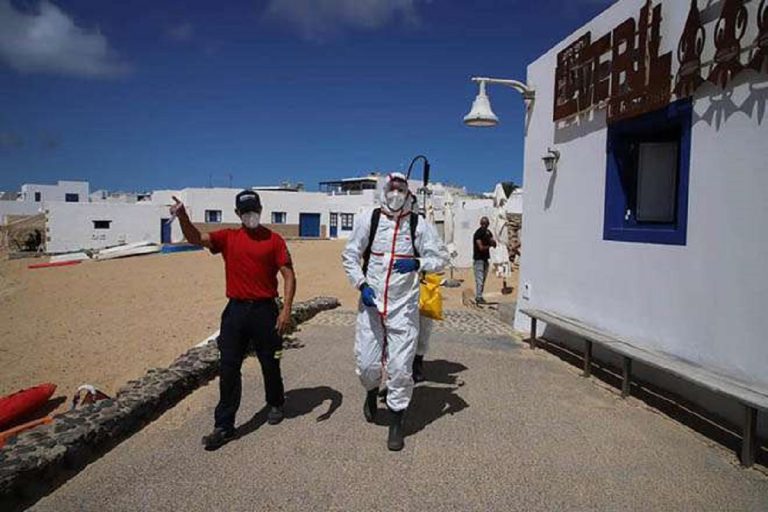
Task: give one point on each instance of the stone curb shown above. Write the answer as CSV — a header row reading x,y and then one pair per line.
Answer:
x,y
33,462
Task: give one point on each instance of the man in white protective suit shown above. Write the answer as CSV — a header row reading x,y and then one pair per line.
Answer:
x,y
383,258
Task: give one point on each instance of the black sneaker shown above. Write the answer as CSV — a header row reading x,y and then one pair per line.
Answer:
x,y
480,300
275,415
218,438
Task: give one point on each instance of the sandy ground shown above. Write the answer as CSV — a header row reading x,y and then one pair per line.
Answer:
x,y
104,323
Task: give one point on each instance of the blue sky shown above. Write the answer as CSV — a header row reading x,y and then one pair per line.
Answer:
x,y
144,95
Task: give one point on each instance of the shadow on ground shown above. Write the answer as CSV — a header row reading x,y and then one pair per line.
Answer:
x,y
429,402
663,400
298,402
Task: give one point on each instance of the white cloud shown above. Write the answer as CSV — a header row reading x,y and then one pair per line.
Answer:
x,y
48,41
181,33
318,19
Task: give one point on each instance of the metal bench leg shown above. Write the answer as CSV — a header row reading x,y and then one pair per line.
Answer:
x,y
587,359
749,440
532,340
626,374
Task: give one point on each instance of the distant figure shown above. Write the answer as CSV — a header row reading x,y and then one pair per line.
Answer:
x,y
482,242
253,256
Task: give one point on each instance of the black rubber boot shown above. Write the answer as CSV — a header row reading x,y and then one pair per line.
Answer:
x,y
395,441
369,407
418,369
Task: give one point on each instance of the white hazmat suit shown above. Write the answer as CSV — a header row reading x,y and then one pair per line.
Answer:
x,y
388,334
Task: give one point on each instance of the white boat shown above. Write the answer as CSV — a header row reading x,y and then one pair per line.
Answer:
x,y
126,250
72,256
120,248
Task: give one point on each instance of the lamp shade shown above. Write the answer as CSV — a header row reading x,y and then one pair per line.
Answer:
x,y
481,114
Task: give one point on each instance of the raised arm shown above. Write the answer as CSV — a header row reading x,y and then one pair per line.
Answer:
x,y
191,233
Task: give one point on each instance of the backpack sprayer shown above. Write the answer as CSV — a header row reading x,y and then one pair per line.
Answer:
x,y
423,191
421,197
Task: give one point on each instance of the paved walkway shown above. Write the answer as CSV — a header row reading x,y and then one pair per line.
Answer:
x,y
497,427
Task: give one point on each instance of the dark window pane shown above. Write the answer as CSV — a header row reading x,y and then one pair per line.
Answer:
x,y
656,182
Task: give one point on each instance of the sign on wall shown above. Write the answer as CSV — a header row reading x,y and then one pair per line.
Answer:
x,y
624,72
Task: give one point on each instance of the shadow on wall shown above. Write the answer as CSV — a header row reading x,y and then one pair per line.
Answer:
x,y
723,104
550,190
722,107
580,125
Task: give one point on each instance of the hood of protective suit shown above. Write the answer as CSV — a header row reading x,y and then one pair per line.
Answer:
x,y
391,205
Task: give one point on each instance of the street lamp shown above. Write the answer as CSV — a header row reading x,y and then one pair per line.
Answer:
x,y
481,114
551,159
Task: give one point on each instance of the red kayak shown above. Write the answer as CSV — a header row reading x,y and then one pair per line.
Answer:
x,y
22,403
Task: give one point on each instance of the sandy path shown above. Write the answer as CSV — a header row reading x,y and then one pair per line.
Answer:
x,y
105,323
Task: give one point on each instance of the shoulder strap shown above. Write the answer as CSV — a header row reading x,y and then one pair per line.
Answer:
x,y
414,225
375,215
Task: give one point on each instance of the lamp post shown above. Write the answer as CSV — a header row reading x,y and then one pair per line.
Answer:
x,y
481,115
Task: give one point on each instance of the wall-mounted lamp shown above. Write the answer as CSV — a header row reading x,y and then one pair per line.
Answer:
x,y
551,159
481,114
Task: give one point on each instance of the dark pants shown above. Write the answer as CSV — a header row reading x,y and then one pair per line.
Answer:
x,y
243,323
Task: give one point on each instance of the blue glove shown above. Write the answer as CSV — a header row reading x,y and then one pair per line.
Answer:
x,y
368,296
404,266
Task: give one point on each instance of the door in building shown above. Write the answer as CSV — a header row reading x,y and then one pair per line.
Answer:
x,y
309,225
165,231
334,225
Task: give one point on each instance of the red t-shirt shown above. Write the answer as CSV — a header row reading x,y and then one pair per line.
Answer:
x,y
251,261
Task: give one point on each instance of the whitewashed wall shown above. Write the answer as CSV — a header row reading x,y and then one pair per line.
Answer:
x,y
56,192
355,204
70,225
18,208
705,301
466,222
515,202
197,200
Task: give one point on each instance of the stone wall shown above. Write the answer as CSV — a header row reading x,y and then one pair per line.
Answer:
x,y
514,225
37,460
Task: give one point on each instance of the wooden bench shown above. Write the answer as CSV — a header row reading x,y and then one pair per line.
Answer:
x,y
752,399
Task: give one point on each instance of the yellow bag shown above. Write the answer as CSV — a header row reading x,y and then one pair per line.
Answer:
x,y
430,298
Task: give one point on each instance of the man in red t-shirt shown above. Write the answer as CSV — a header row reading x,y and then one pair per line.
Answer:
x,y
253,256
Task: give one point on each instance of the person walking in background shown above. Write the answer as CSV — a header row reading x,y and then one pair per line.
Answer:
x,y
482,242
253,256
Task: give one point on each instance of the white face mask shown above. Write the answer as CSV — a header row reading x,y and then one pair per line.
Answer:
x,y
395,200
251,220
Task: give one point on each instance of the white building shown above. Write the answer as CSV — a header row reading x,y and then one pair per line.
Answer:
x,y
66,191
291,213
652,225
105,196
33,196
76,226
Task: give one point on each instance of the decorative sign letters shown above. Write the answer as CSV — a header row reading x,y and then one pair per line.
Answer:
x,y
624,71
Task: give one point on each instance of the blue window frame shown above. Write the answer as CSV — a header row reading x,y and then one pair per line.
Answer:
x,y
279,217
646,186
